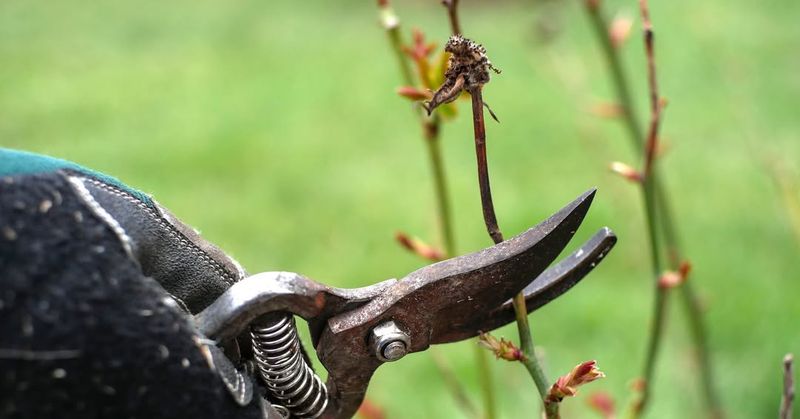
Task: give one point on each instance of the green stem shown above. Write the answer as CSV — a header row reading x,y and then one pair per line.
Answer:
x,y
484,370
621,85
431,134
660,303
528,348
694,311
700,336
663,213
526,340
433,141
397,47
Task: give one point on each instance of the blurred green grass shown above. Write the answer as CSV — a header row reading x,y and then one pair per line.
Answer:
x,y
273,128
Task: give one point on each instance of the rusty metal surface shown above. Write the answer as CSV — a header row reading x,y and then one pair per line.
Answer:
x,y
553,282
443,302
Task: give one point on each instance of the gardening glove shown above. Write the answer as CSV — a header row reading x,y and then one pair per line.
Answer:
x,y
98,283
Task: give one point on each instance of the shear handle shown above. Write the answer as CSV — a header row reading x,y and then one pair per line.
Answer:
x,y
230,314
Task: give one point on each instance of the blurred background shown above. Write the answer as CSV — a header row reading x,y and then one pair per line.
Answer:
x,y
274,128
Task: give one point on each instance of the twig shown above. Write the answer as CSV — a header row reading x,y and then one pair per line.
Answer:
x,y
788,388
530,360
656,331
431,134
484,371
652,82
526,340
479,127
452,12
631,122
698,330
665,218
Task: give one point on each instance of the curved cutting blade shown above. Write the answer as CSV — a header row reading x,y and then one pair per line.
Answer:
x,y
553,282
439,297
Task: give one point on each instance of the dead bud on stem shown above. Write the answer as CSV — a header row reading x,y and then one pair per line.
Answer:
x,y
467,70
410,58
429,71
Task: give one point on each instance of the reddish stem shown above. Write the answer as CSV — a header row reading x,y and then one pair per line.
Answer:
x,y
655,100
483,168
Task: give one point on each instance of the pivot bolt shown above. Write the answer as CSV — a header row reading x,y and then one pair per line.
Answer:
x,y
389,343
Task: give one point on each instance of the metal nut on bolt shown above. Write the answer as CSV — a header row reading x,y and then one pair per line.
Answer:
x,y
389,342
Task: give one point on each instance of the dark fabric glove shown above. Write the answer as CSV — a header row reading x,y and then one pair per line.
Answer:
x,y
97,285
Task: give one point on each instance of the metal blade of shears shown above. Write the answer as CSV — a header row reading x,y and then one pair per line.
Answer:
x,y
548,286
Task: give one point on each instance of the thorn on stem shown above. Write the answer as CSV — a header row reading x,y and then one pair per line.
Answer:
x,y
486,105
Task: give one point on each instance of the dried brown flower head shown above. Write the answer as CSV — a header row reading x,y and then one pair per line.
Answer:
x,y
467,68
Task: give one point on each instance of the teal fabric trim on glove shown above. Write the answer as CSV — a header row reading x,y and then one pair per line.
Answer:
x,y
17,162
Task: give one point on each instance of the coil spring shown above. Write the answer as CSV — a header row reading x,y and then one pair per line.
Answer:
x,y
289,379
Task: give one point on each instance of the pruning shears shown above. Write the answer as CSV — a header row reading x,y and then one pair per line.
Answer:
x,y
355,331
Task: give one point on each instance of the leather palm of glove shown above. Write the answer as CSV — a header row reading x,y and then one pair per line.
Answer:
x,y
84,329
